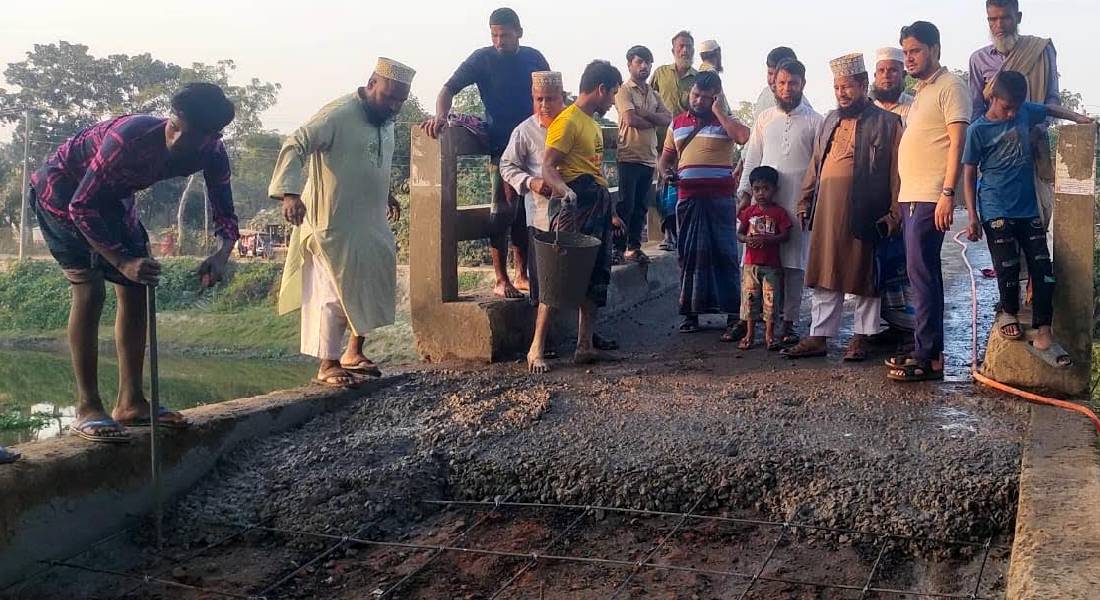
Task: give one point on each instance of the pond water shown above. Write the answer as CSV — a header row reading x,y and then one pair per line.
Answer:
x,y
38,391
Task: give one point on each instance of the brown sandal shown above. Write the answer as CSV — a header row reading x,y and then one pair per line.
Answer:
x,y
857,350
804,349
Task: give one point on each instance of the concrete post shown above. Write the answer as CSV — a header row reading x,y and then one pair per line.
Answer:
x,y
24,231
1074,224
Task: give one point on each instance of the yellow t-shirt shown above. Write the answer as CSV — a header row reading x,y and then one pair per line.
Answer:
x,y
922,155
578,137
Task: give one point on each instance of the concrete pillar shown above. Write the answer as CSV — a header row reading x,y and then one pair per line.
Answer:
x,y
1074,225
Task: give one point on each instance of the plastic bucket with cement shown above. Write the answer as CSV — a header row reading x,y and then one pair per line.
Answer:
x,y
565,261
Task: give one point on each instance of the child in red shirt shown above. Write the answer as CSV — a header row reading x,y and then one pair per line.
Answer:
x,y
763,227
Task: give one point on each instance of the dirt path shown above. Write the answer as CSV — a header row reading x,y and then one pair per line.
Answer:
x,y
680,422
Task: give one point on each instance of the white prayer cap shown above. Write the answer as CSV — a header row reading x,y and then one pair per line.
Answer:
x,y
848,65
547,80
394,71
888,53
709,46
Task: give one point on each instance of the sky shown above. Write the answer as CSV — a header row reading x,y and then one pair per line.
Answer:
x,y
322,49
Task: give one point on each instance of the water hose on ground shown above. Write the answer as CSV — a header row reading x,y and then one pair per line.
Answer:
x,y
1030,397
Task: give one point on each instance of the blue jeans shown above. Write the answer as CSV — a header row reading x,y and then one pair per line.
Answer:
x,y
923,244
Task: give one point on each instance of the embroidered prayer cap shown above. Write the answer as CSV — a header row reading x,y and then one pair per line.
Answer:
x,y
394,71
848,65
889,53
547,80
708,46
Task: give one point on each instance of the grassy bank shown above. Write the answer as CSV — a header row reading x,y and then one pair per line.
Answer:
x,y
236,317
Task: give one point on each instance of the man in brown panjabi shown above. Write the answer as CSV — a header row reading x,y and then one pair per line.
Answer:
x,y
849,203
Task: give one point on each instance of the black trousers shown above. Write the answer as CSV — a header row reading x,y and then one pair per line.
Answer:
x,y
1006,239
635,181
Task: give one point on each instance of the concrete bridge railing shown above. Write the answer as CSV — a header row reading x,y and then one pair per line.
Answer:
x,y
446,324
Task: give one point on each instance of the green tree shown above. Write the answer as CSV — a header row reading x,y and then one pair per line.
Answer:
x,y
66,88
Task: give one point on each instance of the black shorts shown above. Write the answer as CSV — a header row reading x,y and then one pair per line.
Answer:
x,y
78,260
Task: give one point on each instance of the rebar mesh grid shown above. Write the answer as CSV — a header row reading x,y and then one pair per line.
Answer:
x,y
883,541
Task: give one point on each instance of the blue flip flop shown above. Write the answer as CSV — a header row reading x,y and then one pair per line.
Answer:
x,y
161,421
118,434
8,456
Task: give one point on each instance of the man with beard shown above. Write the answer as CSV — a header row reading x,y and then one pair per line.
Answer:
x,y
929,163
83,198
1037,60
521,163
698,151
641,113
889,89
571,169
849,200
897,304
766,99
783,138
502,74
673,86
333,178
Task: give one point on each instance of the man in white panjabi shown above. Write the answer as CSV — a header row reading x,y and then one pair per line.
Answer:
x,y
521,163
888,90
783,138
333,178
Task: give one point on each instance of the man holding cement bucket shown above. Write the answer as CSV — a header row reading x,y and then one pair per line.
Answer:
x,y
571,167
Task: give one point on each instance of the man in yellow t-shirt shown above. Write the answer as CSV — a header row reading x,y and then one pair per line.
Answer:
x,y
571,166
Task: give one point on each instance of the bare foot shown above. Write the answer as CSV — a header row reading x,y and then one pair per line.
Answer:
x,y
522,284
537,364
588,357
505,289
747,342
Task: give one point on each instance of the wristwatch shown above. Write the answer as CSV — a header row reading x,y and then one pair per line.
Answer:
x,y
949,192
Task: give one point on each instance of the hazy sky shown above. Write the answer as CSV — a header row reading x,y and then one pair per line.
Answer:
x,y
321,49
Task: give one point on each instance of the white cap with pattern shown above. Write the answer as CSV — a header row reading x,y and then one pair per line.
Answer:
x,y
550,80
889,53
848,65
394,71
708,46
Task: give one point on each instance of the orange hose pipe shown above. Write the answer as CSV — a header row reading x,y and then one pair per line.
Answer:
x,y
1030,397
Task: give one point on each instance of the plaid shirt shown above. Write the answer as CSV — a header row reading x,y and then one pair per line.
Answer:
x,y
93,176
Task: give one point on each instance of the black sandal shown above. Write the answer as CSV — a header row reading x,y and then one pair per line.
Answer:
x,y
914,370
689,325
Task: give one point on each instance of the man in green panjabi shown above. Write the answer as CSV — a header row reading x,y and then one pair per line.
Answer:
x,y
333,178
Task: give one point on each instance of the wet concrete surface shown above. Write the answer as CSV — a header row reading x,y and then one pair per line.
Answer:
x,y
678,422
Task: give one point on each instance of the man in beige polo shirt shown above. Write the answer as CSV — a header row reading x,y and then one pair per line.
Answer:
x,y
929,160
641,114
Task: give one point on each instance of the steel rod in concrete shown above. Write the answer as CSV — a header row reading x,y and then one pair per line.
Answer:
x,y
436,554
148,579
154,413
767,559
981,571
661,544
776,524
874,568
610,562
534,560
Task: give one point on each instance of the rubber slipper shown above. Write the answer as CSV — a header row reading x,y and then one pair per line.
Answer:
x,y
118,434
735,331
8,456
775,346
1005,320
790,339
796,353
899,361
363,367
989,273
690,326
1052,355
915,371
161,420
330,381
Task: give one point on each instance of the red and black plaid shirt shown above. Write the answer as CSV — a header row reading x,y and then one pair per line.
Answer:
x,y
95,173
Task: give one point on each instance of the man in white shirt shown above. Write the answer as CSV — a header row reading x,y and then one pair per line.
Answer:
x,y
889,87
783,138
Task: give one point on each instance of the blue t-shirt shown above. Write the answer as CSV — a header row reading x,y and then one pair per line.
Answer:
x,y
1002,150
504,82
